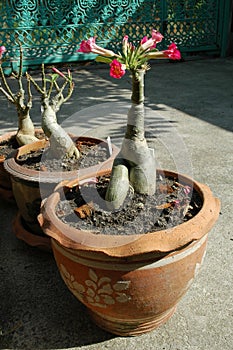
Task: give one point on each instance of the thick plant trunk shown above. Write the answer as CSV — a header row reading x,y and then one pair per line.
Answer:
x,y
135,164
26,130
60,142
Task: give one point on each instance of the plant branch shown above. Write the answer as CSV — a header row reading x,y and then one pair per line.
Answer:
x,y
29,104
20,74
52,83
37,86
6,86
9,97
43,78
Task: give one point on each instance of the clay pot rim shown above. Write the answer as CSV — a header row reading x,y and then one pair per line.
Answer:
x,y
6,137
164,241
15,169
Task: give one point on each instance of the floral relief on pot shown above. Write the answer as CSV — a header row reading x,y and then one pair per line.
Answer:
x,y
97,291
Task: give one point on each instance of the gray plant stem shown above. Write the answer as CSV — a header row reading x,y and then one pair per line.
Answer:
x,y
60,142
26,131
135,163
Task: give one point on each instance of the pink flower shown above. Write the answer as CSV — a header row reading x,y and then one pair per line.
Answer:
x,y
144,40
151,43
89,46
125,44
172,52
158,37
117,69
147,44
58,72
2,50
125,40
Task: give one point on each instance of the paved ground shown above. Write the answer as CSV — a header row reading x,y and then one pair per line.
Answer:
x,y
190,122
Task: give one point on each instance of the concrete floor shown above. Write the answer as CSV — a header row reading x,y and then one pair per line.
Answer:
x,y
190,122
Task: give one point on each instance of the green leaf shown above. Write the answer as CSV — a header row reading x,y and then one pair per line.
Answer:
x,y
154,50
54,76
103,59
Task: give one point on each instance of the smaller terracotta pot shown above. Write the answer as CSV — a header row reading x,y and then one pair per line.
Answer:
x,y
22,233
131,284
5,181
7,195
6,191
31,186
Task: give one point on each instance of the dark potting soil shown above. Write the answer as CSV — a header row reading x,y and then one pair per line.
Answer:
x,y
90,155
173,203
6,147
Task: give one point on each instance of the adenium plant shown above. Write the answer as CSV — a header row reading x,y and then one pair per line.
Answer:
x,y
26,132
52,97
135,164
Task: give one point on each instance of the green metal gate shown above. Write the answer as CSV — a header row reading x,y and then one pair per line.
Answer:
x,y
51,30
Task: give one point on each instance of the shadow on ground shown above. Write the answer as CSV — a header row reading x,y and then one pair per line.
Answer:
x,y
45,315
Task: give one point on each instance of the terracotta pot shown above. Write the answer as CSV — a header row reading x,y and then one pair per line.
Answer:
x,y
131,285
5,181
31,186
21,232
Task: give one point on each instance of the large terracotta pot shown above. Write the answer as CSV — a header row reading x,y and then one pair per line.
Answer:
x,y
31,186
131,285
